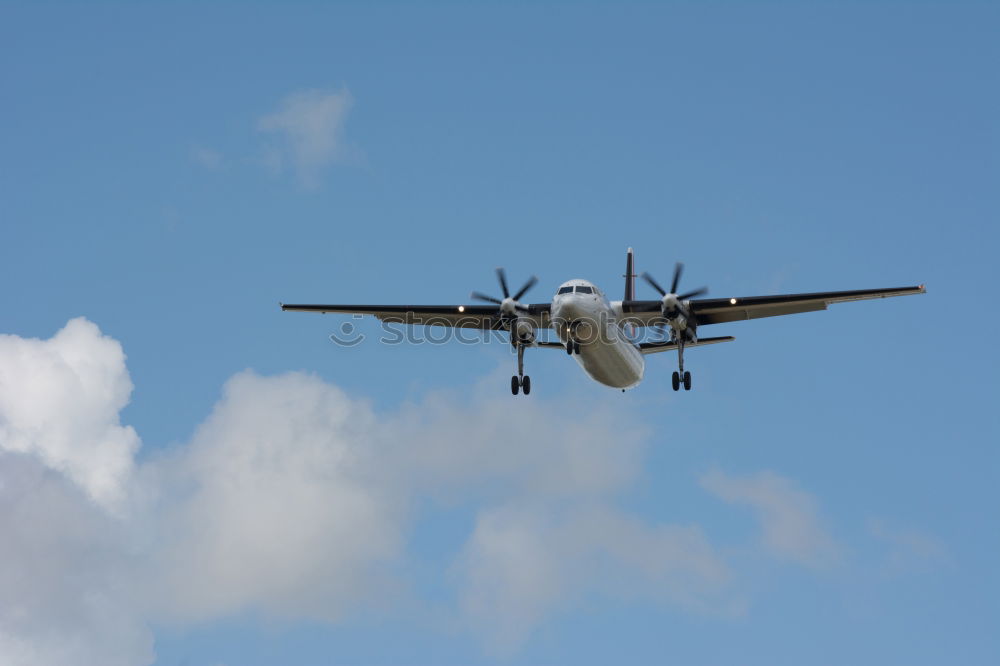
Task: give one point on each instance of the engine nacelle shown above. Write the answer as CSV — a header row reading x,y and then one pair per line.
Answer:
x,y
678,322
523,331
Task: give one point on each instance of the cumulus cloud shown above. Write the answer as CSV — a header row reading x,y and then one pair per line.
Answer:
x,y
296,500
66,574
526,561
275,505
59,402
788,515
308,128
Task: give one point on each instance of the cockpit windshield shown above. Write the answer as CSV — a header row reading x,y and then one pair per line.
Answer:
x,y
580,289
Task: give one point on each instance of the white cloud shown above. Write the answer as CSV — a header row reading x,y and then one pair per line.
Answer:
x,y
66,574
526,561
66,463
59,401
299,499
448,446
788,515
273,506
309,128
296,500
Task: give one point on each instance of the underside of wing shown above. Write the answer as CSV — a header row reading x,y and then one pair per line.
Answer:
x,y
720,310
666,345
456,316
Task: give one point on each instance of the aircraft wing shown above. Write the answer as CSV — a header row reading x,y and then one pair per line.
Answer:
x,y
719,310
458,316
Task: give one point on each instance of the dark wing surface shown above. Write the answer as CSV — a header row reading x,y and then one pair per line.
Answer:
x,y
720,310
458,316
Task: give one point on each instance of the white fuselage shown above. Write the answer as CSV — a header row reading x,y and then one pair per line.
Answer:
x,y
606,354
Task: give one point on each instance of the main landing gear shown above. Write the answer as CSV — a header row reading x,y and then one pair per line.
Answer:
x,y
679,379
520,381
572,347
681,376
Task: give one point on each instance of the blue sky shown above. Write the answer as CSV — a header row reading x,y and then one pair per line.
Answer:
x,y
825,494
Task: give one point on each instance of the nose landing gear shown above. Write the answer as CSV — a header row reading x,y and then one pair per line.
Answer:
x,y
572,341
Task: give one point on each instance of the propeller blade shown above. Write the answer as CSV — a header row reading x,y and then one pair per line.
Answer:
x,y
502,276
483,297
652,283
678,269
691,294
527,285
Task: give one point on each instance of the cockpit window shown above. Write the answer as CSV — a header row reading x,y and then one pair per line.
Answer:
x,y
565,290
584,290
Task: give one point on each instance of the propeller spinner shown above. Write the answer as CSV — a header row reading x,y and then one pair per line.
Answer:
x,y
675,305
509,306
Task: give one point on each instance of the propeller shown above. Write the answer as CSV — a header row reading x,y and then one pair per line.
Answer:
x,y
674,304
509,306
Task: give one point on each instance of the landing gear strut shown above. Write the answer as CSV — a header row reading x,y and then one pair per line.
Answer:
x,y
520,381
681,376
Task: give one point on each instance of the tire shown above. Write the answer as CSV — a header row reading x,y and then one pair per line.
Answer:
x,y
526,384
687,381
675,380
515,385
569,347
576,348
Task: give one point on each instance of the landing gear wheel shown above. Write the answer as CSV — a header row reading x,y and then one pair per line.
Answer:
x,y
676,380
687,381
576,348
526,385
515,385
569,347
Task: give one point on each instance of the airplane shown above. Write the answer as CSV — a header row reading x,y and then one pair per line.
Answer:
x,y
599,333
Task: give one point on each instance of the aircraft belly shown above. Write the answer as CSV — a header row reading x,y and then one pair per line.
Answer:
x,y
611,358
615,363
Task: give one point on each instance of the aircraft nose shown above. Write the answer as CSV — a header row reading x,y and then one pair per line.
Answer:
x,y
569,306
